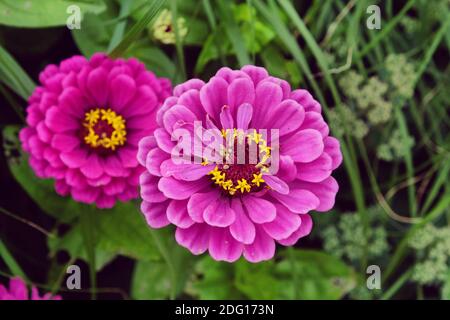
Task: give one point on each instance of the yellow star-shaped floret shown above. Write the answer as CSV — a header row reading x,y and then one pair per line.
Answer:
x,y
243,186
257,179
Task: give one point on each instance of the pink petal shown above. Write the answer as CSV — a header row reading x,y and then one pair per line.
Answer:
x,y
127,156
149,188
122,90
144,101
18,289
314,120
65,142
198,202
114,167
303,230
288,170
214,96
180,190
298,200
226,119
114,187
194,238
75,158
93,168
219,213
58,121
44,133
268,95
188,85
155,214
163,140
244,116
105,202
259,210
325,191
263,248
284,225
97,84
186,172
287,117
177,116
154,159
191,100
256,73
72,101
276,184
223,247
240,91
316,170
242,229
303,97
178,215
333,149
86,195
144,146
304,146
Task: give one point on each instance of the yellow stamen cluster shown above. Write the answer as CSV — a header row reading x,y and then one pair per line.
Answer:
x,y
219,176
116,122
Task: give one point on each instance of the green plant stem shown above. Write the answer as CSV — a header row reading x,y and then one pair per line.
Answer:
x,y
10,262
393,289
162,247
178,40
88,230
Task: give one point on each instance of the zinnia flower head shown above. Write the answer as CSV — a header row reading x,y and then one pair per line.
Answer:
x,y
18,291
272,167
84,124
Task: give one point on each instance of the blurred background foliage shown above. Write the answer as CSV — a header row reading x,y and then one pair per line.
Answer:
x,y
385,94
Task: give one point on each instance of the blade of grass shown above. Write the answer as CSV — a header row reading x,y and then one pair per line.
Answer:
x,y
291,43
385,30
402,247
213,24
10,262
178,40
321,60
119,30
137,28
13,76
87,220
12,102
233,33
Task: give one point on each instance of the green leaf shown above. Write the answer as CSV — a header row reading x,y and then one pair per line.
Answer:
x,y
257,281
120,230
445,290
95,34
13,76
154,59
43,13
156,280
150,281
42,191
318,276
10,262
214,281
137,28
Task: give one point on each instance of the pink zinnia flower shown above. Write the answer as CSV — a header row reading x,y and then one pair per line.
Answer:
x,y
240,208
84,124
18,291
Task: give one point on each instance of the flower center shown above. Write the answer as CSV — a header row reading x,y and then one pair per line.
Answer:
x,y
231,176
104,129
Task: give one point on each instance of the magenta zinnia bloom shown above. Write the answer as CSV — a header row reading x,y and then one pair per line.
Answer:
x,y
240,208
84,124
18,291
